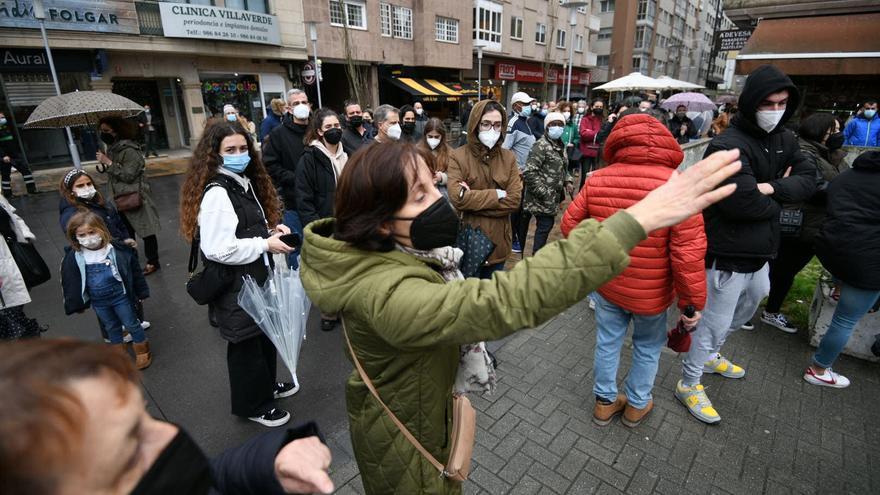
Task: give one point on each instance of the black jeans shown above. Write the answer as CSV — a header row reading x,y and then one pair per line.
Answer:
x,y
543,225
150,143
6,172
516,219
151,243
251,366
588,164
794,254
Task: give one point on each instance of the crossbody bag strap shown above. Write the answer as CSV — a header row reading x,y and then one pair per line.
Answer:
x,y
400,426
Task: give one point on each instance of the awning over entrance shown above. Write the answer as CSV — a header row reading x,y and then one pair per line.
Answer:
x,y
826,45
426,89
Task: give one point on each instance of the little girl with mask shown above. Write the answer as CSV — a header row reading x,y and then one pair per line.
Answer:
x,y
105,274
78,192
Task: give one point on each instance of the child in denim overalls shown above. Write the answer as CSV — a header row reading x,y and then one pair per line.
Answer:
x,y
106,275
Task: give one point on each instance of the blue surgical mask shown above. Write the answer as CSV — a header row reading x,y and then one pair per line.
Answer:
x,y
2,121
554,132
236,163
526,111
869,114
231,117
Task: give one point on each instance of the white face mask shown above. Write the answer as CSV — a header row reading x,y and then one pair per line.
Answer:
x,y
433,142
489,138
582,109
394,132
769,119
301,112
86,192
567,115
419,111
90,242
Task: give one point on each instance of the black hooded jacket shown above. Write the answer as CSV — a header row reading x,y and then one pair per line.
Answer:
x,y
849,242
743,229
281,155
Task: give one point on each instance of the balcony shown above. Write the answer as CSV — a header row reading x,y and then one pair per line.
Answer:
x,y
593,23
149,19
590,59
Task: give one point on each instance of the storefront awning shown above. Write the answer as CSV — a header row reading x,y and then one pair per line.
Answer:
x,y
426,89
825,45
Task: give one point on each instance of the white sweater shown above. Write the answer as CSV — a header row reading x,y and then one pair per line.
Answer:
x,y
217,224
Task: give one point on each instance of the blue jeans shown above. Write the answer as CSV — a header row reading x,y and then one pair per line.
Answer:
x,y
649,336
292,221
112,305
853,305
486,271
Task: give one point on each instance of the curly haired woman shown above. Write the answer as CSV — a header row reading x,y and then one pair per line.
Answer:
x,y
228,203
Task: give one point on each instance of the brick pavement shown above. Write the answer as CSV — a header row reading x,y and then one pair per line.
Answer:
x,y
778,434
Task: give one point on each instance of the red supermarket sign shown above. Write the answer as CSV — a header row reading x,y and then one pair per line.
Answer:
x,y
535,73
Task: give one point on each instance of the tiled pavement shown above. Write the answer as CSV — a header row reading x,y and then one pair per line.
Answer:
x,y
778,434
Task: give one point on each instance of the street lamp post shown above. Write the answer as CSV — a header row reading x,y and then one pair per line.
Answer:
x,y
40,15
479,71
313,35
572,21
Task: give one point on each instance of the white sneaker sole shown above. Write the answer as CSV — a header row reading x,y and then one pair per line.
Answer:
x,y
814,381
780,327
290,392
271,424
725,374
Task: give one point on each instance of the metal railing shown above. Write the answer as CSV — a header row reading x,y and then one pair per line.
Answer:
x,y
149,19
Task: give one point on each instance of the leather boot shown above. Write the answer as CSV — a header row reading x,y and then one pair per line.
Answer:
x,y
604,413
632,416
143,356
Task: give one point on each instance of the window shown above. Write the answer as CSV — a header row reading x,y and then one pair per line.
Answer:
x,y
541,34
487,24
560,38
606,6
643,37
446,29
578,43
516,24
646,10
249,5
402,23
604,34
602,60
385,18
351,13
637,62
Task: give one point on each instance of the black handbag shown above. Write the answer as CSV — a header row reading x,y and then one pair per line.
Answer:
x,y
790,221
476,247
31,265
207,285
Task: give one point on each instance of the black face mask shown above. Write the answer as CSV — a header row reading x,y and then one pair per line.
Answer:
x,y
108,138
181,468
598,111
355,121
835,141
435,227
408,127
333,136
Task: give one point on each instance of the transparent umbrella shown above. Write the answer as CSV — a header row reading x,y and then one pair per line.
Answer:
x,y
280,308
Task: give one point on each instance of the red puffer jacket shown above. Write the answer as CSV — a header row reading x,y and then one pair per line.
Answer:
x,y
644,155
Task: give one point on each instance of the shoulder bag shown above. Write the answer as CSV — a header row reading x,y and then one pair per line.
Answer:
x,y
128,201
207,285
31,265
464,426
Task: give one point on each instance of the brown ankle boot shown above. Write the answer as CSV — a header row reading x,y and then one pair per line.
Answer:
x,y
143,356
632,416
604,413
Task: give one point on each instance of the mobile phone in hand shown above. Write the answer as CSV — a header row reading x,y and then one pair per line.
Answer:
x,y
292,240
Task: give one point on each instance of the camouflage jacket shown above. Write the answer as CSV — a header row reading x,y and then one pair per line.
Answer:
x,y
545,175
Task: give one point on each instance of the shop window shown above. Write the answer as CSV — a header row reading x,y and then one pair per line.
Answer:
x,y
402,23
541,34
560,38
487,24
351,13
446,29
606,6
516,28
578,43
385,18
249,5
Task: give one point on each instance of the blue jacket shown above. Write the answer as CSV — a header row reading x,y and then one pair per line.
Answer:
x,y
519,139
270,122
862,132
108,213
73,277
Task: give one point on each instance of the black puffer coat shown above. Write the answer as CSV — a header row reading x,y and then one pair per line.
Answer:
x,y
281,154
743,229
849,243
315,186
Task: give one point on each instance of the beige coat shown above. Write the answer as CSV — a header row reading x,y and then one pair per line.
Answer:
x,y
485,170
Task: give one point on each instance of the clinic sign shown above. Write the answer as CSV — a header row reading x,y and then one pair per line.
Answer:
x,y
219,24
109,16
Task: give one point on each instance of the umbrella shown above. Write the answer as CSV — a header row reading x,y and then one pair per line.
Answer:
x,y
726,99
695,102
679,338
280,308
671,83
636,80
80,108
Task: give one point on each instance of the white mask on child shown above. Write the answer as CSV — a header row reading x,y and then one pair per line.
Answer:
x,y
91,242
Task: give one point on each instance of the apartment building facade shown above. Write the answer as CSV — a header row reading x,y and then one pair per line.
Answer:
x,y
659,37
186,59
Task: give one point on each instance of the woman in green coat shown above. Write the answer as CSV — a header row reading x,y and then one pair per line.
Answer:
x,y
383,265
124,165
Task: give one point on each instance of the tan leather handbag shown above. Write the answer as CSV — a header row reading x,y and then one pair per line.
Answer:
x,y
464,427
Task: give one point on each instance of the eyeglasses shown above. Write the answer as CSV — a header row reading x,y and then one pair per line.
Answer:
x,y
486,125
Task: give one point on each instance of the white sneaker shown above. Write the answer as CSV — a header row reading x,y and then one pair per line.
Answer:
x,y
274,417
827,379
145,324
126,338
747,326
592,304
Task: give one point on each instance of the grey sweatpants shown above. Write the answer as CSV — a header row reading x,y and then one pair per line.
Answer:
x,y
731,300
